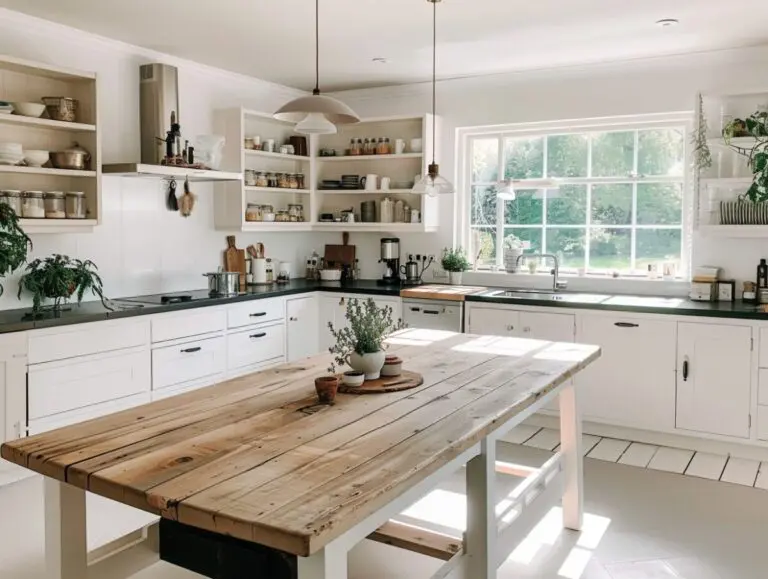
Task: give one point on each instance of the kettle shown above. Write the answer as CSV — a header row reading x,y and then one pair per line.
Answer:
x,y
410,270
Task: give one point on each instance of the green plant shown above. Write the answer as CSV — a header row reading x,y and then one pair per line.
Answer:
x,y
14,243
455,260
58,277
702,156
368,327
756,126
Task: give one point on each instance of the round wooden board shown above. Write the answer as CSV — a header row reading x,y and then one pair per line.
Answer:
x,y
404,381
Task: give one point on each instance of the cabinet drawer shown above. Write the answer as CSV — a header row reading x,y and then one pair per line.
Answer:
x,y
58,387
255,312
194,360
255,346
86,339
762,422
188,323
88,413
762,389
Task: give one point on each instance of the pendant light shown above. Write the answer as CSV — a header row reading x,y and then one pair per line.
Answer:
x,y
433,183
317,114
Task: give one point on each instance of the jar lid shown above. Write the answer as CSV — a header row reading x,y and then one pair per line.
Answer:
x,y
11,192
54,195
34,194
75,194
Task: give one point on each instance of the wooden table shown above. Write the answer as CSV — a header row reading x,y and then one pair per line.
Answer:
x,y
252,470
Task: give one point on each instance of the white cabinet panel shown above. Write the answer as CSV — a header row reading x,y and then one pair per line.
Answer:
x,y
87,413
195,322
302,327
714,378
193,360
763,357
255,312
255,346
762,388
633,382
545,326
56,387
493,321
13,386
333,308
762,422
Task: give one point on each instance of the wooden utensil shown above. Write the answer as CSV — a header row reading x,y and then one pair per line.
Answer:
x,y
234,259
341,255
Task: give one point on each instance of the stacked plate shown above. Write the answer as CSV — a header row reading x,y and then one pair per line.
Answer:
x,y
350,181
6,107
330,184
11,154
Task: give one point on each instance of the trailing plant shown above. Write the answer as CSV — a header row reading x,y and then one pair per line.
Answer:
x,y
455,260
756,126
369,325
58,278
14,243
702,156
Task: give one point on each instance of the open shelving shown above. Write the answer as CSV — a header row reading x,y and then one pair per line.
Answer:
x,y
369,158
143,170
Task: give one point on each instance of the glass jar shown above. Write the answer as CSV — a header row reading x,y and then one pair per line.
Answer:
x,y
282,217
76,208
296,211
55,206
293,182
32,205
261,179
399,213
253,212
12,197
250,178
300,181
271,180
282,180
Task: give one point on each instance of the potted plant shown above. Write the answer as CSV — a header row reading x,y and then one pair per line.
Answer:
x,y
14,243
755,126
513,249
326,387
361,344
455,262
58,278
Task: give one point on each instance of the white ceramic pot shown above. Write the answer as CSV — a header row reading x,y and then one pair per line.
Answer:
x,y
370,364
351,380
454,277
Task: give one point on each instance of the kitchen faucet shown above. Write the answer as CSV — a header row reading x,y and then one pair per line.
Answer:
x,y
556,283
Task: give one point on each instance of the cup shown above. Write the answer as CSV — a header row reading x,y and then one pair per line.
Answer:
x,y
415,216
385,182
416,145
370,182
399,147
269,145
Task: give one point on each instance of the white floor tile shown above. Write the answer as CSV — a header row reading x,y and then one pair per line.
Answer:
x,y
740,471
609,449
671,459
588,442
638,454
692,568
546,439
706,465
762,477
519,434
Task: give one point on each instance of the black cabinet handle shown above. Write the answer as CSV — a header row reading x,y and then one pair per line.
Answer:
x,y
191,350
626,325
258,314
415,309
685,370
432,312
259,335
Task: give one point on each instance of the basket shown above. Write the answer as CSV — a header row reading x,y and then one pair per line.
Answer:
x,y
61,108
743,212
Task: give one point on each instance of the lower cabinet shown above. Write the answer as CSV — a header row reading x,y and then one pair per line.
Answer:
x,y
486,321
303,339
333,309
200,361
714,382
254,349
13,397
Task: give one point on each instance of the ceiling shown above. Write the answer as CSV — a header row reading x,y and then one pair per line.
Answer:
x,y
275,40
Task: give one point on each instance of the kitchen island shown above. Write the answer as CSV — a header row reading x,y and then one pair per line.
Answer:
x,y
251,476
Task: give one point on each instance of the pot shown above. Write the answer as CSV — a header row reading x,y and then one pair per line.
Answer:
x,y
369,364
353,379
223,283
326,388
75,158
454,277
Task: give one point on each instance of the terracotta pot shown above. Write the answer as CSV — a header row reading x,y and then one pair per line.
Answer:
x,y
353,379
369,364
326,388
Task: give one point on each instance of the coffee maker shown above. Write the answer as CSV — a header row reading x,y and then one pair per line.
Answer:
x,y
390,257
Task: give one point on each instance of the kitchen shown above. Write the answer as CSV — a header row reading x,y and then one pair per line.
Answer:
x,y
170,252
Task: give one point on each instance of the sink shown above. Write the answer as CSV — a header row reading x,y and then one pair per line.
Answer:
x,y
548,295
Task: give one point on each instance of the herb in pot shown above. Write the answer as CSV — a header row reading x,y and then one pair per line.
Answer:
x,y
756,126
455,260
14,243
59,278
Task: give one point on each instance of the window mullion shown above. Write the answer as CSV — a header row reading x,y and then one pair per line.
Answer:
x,y
500,207
633,230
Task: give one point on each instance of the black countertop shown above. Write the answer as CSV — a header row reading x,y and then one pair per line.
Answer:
x,y
18,320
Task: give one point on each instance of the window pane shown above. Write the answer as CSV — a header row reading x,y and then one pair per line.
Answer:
x,y
661,152
568,206
610,249
532,235
612,204
658,245
484,205
613,154
567,155
524,158
527,209
659,203
568,245
484,244
485,160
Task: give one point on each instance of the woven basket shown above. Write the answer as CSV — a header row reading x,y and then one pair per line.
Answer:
x,y
743,212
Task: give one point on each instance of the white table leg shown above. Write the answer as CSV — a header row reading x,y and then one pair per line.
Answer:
x,y
480,547
328,563
66,545
573,461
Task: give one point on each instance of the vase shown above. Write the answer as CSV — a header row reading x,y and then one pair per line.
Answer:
x,y
369,364
326,388
511,255
454,277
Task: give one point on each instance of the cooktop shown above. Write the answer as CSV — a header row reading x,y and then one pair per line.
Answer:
x,y
173,298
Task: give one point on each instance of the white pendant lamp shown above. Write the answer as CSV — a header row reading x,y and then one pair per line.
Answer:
x,y
433,183
317,114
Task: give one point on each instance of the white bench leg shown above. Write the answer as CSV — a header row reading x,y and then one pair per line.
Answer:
x,y
328,563
480,542
66,545
573,460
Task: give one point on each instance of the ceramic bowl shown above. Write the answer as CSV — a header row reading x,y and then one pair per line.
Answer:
x,y
353,379
393,366
36,158
330,274
12,149
29,109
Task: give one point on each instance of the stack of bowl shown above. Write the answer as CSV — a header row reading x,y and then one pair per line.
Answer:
x,y
6,107
11,153
350,181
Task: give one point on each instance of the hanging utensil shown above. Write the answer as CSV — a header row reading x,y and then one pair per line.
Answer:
x,y
187,200
172,203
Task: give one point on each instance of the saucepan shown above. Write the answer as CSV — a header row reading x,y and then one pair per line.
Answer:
x,y
223,283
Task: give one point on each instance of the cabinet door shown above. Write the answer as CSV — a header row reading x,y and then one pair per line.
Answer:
x,y
493,321
303,319
714,378
544,326
13,387
332,310
633,382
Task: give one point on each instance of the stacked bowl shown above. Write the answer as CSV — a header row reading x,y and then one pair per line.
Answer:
x,y
11,153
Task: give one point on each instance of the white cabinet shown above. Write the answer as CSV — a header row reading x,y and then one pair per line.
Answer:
x,y
255,312
333,308
544,326
255,349
496,321
632,384
201,362
501,321
714,378
13,386
303,319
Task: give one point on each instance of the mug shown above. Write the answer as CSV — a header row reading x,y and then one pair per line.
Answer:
x,y
257,142
269,145
416,145
369,182
399,146
385,182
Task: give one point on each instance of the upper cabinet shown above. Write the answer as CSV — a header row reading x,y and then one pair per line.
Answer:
x,y
25,84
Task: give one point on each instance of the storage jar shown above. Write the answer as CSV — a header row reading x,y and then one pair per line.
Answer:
x,y
261,179
12,198
300,181
296,211
76,208
55,207
282,217
282,180
253,212
293,182
32,205
271,180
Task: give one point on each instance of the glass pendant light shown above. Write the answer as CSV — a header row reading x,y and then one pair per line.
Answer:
x,y
317,114
433,183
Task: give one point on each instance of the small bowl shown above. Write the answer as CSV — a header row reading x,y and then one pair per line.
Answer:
x,y
12,149
330,275
392,368
29,109
353,379
36,158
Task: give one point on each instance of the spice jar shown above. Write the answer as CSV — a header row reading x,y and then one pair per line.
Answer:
x,y
54,205
399,214
271,180
76,205
253,212
32,205
12,198
261,179
296,211
282,180
300,182
250,178
282,217
293,182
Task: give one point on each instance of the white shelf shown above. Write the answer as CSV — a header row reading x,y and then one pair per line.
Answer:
x,y
370,158
277,190
45,171
57,225
384,227
165,171
37,122
276,227
734,230
364,192
727,181
269,155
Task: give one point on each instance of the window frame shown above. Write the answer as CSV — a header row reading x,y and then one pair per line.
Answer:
x,y
678,120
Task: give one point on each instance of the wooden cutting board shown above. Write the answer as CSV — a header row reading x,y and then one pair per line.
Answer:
x,y
441,292
234,260
341,255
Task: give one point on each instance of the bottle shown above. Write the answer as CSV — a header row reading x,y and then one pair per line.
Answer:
x,y
270,271
387,147
381,148
360,147
353,150
762,275
366,147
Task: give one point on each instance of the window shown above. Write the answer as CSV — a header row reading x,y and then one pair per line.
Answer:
x,y
619,205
